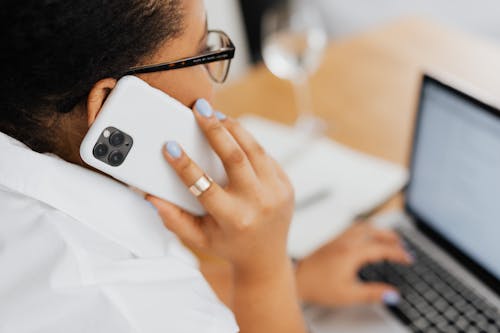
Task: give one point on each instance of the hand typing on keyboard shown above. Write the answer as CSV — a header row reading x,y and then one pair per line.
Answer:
x,y
432,300
330,275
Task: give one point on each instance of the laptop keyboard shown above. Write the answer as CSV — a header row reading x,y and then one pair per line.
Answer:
x,y
432,300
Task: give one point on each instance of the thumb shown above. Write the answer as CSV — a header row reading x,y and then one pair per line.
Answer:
x,y
375,292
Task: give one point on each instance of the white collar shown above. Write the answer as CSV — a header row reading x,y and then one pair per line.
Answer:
x,y
102,204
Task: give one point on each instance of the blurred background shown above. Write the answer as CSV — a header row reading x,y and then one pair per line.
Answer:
x,y
242,19
370,55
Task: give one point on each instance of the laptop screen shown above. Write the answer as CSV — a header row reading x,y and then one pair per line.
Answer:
x,y
455,184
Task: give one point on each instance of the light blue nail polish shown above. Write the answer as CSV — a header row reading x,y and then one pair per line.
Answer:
x,y
173,149
221,116
391,298
204,108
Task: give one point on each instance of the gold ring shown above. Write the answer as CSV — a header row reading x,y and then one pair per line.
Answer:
x,y
201,185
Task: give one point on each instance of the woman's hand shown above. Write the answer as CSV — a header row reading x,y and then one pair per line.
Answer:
x,y
248,220
330,275
247,223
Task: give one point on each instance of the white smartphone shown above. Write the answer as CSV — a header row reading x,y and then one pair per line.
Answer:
x,y
127,137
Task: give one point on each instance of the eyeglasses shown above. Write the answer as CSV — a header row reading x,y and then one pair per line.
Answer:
x,y
216,58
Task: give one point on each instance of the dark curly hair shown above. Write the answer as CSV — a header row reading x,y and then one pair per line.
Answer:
x,y
54,51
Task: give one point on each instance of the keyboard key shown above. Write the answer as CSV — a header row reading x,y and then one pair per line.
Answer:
x,y
461,324
451,314
431,295
421,324
432,315
441,305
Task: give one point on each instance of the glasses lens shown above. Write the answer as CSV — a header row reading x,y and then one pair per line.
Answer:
x,y
218,70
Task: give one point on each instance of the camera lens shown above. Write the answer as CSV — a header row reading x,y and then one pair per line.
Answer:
x,y
116,158
117,139
100,150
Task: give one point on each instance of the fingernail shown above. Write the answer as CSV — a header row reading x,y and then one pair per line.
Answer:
x,y
391,298
221,116
204,108
173,149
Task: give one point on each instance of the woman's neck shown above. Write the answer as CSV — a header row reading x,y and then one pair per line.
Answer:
x,y
71,129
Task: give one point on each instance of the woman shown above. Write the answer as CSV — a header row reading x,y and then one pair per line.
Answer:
x,y
81,252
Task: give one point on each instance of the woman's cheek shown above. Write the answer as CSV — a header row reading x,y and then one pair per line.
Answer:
x,y
193,84
186,84
205,86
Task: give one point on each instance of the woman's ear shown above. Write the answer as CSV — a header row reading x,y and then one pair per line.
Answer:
x,y
97,96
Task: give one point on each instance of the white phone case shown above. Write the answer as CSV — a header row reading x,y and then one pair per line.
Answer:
x,y
152,118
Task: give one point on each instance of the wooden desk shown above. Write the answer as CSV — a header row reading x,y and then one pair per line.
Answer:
x,y
367,87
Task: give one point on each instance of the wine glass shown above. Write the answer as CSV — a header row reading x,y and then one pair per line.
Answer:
x,y
294,40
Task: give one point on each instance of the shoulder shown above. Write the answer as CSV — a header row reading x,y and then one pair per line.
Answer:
x,y
65,277
38,262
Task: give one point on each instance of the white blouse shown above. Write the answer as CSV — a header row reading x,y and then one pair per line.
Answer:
x,y
80,252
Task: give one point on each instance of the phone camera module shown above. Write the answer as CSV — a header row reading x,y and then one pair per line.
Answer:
x,y
113,146
116,158
117,139
100,150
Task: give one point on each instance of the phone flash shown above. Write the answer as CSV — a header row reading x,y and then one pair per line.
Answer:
x,y
106,134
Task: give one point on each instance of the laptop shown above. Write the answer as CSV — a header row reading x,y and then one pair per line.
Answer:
x,y
451,223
